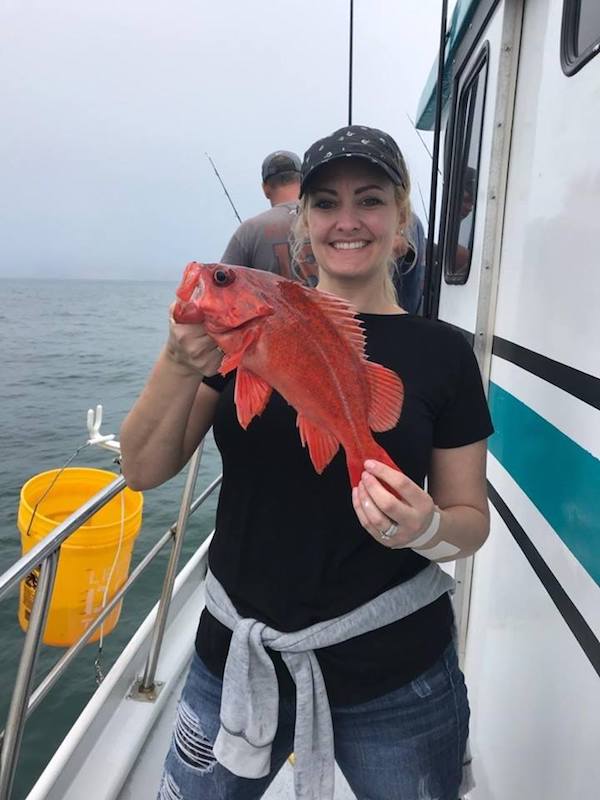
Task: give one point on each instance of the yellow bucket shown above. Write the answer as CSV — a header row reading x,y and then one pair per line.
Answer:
x,y
88,558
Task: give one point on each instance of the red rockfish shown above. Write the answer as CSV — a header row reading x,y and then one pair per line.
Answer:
x,y
305,344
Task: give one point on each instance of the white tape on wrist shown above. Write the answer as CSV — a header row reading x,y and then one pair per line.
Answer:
x,y
429,534
440,550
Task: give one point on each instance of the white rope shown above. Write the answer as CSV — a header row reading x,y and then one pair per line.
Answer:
x,y
99,675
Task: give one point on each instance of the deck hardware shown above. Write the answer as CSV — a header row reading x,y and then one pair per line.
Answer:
x,y
94,423
139,693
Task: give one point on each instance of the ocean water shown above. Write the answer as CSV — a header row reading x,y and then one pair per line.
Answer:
x,y
66,346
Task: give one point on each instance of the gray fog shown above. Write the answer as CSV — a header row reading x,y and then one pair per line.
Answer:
x,y
108,110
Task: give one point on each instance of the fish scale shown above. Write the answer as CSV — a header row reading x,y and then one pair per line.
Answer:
x,y
308,346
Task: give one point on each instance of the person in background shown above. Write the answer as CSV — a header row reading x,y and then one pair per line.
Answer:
x,y
338,587
262,242
409,266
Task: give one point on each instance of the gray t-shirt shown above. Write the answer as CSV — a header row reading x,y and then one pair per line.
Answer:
x,y
262,242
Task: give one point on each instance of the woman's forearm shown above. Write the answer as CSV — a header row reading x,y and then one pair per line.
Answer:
x,y
462,531
165,425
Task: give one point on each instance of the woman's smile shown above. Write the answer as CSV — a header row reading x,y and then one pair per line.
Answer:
x,y
352,245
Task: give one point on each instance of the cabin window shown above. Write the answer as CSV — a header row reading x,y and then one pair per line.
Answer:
x,y
464,178
580,37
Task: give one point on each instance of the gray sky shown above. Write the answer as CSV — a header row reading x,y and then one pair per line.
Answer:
x,y
109,107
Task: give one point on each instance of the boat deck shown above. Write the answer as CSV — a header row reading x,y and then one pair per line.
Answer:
x,y
144,779
115,750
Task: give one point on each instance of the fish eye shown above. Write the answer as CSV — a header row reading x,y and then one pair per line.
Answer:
x,y
223,277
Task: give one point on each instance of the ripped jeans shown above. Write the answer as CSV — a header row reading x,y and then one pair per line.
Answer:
x,y
405,745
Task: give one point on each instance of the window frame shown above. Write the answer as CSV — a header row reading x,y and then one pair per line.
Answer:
x,y
570,60
479,70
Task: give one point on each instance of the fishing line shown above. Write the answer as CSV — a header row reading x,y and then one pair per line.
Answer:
x,y
416,130
56,477
423,203
97,664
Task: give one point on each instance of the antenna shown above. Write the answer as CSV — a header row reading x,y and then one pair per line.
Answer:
x,y
224,187
429,283
350,59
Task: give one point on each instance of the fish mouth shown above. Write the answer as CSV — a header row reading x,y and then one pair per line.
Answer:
x,y
198,290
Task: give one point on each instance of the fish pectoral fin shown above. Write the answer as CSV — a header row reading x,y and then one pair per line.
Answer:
x,y
322,446
387,396
251,396
230,362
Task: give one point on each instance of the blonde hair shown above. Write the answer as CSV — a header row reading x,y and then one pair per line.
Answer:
x,y
299,236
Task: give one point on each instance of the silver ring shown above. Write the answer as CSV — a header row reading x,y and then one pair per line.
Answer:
x,y
389,533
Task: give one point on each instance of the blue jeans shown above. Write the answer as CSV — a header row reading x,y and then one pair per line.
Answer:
x,y
405,745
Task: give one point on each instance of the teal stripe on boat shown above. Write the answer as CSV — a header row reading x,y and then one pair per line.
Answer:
x,y
560,478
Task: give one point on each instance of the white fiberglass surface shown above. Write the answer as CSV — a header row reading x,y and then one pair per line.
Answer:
x,y
578,584
576,419
549,291
535,697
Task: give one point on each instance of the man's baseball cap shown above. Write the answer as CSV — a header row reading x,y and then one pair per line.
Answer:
x,y
280,161
356,141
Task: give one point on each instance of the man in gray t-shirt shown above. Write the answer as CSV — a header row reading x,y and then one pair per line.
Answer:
x,y
262,242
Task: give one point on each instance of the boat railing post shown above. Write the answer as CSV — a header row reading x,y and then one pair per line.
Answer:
x,y
15,721
146,685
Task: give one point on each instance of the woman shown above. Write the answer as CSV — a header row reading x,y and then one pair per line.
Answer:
x,y
342,587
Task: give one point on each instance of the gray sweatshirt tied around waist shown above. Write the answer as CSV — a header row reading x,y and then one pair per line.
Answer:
x,y
250,696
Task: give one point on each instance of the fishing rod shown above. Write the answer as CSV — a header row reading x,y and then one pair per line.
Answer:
x,y
422,140
224,187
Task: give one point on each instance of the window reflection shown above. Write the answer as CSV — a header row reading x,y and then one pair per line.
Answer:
x,y
461,217
588,27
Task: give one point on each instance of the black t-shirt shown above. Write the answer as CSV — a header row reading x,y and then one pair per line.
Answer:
x,y
288,547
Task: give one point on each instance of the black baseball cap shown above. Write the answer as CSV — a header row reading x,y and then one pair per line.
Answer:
x,y
356,141
280,161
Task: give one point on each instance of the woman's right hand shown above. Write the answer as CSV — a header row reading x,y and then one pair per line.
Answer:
x,y
175,409
191,347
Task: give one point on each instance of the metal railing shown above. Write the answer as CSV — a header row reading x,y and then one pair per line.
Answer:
x,y
44,556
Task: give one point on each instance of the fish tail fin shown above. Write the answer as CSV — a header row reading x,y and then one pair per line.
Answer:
x,y
356,465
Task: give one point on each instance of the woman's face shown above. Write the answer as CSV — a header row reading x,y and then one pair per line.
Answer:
x,y
352,218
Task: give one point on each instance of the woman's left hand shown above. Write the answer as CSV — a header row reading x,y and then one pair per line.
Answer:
x,y
378,509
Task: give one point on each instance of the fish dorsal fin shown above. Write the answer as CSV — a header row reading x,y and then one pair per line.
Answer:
x,y
341,312
387,396
386,388
251,395
322,446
